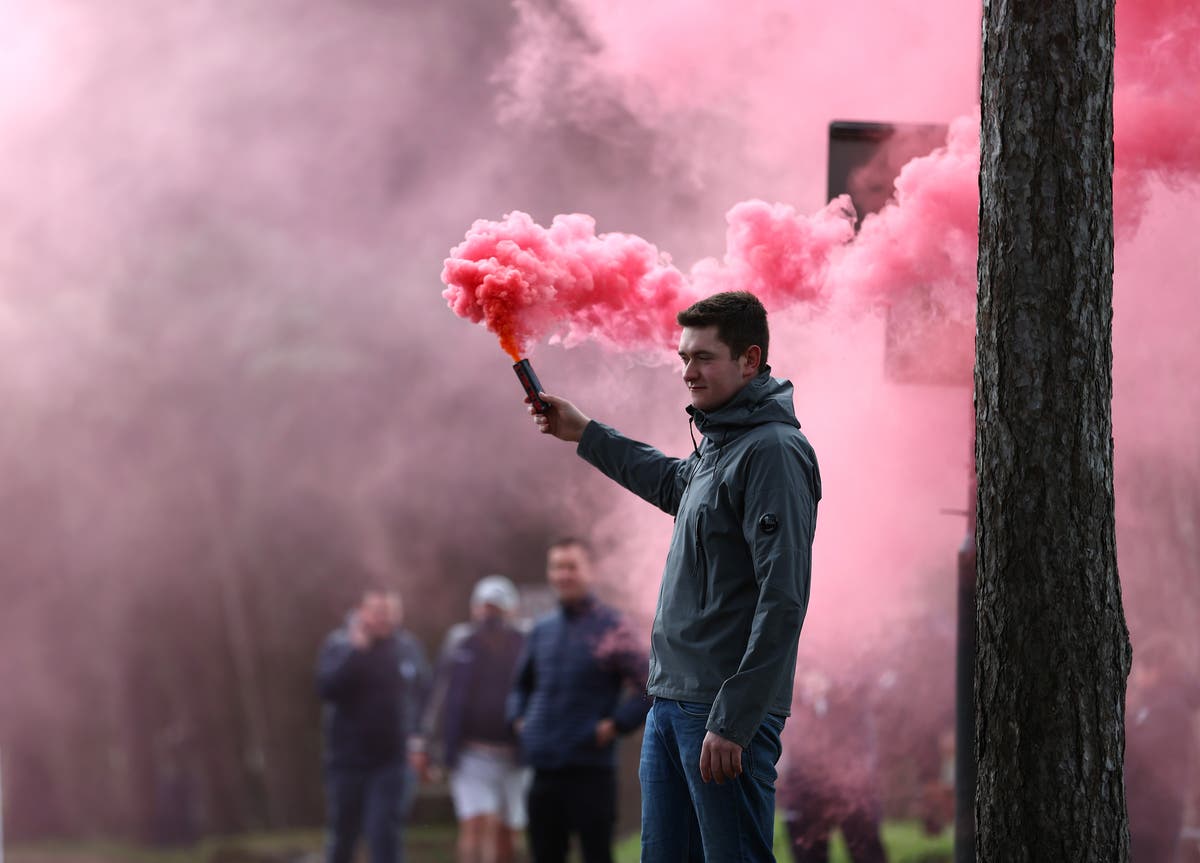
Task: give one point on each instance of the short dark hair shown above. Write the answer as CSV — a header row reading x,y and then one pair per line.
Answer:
x,y
569,540
739,317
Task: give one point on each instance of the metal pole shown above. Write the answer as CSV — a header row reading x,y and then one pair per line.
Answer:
x,y
1,806
964,702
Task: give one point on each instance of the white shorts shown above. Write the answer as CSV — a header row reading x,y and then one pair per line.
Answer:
x,y
489,781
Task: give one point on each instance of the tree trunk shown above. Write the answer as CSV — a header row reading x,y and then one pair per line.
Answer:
x,y
1053,649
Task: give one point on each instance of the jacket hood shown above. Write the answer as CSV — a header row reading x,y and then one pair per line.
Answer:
x,y
763,400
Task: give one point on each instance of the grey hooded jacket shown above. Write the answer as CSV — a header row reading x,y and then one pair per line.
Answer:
x,y
736,582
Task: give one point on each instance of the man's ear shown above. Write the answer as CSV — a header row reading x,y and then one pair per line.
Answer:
x,y
753,357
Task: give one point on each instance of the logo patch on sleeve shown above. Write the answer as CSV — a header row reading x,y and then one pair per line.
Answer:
x,y
768,523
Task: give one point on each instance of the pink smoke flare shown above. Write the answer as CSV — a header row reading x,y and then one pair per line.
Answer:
x,y
526,282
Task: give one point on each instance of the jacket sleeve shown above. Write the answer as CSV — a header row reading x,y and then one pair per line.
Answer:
x,y
639,467
524,680
337,667
781,489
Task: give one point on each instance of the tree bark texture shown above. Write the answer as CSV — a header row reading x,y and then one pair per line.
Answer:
x,y
1053,648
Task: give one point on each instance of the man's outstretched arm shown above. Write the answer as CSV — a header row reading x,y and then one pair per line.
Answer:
x,y
644,470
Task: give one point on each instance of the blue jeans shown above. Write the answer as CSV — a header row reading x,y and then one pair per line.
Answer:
x,y
370,801
684,819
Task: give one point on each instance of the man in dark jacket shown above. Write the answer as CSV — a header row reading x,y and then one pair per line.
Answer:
x,y
359,679
580,683
735,586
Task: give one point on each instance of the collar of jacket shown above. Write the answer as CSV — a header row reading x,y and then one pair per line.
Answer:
x,y
763,399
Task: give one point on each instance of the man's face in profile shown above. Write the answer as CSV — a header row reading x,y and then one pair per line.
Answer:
x,y
713,376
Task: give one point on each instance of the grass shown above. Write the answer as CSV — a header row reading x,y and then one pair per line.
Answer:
x,y
905,842
426,844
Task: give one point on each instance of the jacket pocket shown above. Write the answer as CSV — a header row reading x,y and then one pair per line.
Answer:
x,y
701,572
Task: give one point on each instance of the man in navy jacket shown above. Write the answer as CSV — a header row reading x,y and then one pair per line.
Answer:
x,y
579,684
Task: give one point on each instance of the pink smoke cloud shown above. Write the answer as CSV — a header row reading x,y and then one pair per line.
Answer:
x,y
926,236
1156,102
770,73
929,234
524,281
778,253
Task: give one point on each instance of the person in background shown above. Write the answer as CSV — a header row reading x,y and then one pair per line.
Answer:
x,y
580,683
466,721
360,682
1160,744
830,780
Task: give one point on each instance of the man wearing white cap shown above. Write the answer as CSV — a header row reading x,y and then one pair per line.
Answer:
x,y
466,717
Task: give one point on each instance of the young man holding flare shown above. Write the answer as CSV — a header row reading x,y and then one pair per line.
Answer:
x,y
734,590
